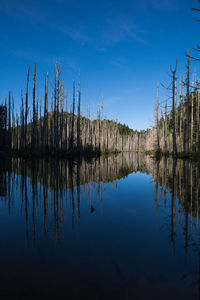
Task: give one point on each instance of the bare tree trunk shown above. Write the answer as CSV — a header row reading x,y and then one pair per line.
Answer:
x,y
187,103
55,112
46,112
17,123
22,122
101,121
99,125
9,120
181,119
61,122
51,123
165,129
36,125
157,146
40,129
192,120
72,125
174,109
26,111
78,117
13,126
198,131
57,108
34,113
66,132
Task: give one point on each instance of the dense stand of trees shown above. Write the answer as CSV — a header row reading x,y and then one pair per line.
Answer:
x,y
36,130
177,132
64,130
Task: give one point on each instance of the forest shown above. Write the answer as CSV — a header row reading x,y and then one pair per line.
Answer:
x,y
63,130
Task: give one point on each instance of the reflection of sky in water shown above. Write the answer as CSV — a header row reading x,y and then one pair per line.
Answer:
x,y
115,244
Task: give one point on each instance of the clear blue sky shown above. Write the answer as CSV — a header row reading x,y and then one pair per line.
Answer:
x,y
122,49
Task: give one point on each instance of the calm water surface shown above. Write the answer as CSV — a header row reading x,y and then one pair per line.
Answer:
x,y
123,227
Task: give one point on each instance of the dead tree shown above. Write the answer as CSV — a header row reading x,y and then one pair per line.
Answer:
x,y
174,107
78,117
9,120
26,109
34,112
192,120
57,107
165,129
72,121
36,122
61,115
13,125
99,123
22,122
51,123
197,118
157,143
66,132
187,102
45,124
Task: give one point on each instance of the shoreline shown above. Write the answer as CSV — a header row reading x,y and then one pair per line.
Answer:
x,y
74,155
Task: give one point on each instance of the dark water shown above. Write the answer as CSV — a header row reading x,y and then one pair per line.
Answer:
x,y
124,227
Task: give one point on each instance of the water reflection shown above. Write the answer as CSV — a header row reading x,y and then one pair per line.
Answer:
x,y
181,179
47,187
49,193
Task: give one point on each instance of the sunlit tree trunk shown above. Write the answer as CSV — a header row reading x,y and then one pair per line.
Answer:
x,y
187,102
174,108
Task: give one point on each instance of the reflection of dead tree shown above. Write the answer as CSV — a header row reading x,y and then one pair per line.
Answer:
x,y
156,184
173,203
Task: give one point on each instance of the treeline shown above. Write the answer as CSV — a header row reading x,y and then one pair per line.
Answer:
x,y
56,126
53,126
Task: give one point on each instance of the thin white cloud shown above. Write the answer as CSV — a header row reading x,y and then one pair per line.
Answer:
x,y
74,33
113,100
34,15
63,60
23,9
122,29
109,31
22,53
118,62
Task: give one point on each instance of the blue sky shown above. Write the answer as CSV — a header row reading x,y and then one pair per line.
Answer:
x,y
121,48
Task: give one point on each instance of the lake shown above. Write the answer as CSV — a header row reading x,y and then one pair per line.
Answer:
x,y
119,227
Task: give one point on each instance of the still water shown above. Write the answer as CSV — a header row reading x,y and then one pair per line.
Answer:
x,y
121,227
